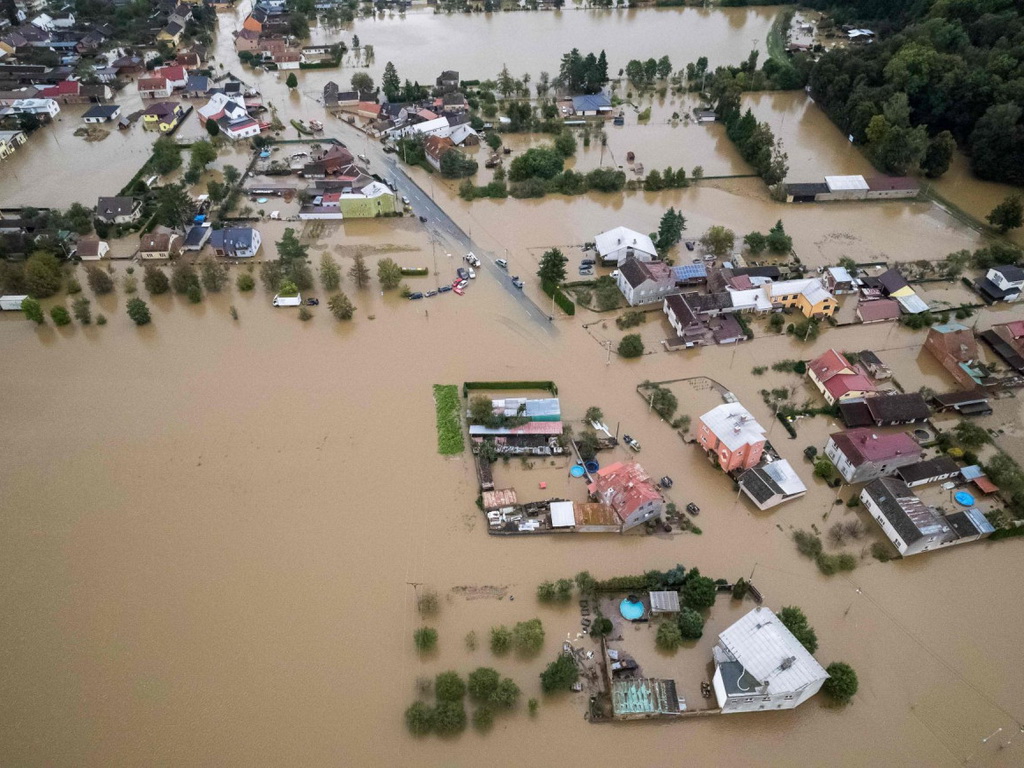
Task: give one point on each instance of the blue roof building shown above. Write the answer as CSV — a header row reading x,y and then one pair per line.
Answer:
x,y
591,104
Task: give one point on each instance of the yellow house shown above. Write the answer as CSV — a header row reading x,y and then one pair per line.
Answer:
x,y
163,116
171,34
809,296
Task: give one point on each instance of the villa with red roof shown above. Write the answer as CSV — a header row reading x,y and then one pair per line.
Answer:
x,y
865,454
838,379
628,489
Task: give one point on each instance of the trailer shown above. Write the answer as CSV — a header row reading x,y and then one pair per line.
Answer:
x,y
12,302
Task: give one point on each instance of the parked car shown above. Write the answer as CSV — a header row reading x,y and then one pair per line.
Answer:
x,y
364,158
463,273
472,274
586,271
588,262
615,274
471,259
517,282
416,295
406,201
312,302
689,245
693,509
444,289
428,294
458,290
631,442
501,263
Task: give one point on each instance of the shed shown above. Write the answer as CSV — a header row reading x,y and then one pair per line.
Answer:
x,y
666,601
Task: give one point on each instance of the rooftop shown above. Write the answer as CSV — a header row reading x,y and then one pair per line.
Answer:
x,y
863,445
845,183
925,470
620,237
910,517
769,652
733,425
910,406
625,486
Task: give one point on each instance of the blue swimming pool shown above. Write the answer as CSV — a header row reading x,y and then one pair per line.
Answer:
x,y
631,610
963,498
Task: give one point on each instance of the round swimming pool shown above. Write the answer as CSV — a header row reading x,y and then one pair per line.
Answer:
x,y
631,610
577,471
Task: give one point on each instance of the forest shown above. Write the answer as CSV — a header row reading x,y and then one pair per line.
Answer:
x,y
950,70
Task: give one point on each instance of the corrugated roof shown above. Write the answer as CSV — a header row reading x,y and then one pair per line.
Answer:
x,y
733,425
562,514
845,183
623,237
666,601
762,644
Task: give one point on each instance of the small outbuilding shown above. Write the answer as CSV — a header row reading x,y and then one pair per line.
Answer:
x,y
665,601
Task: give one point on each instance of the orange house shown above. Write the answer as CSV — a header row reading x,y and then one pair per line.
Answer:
x,y
733,436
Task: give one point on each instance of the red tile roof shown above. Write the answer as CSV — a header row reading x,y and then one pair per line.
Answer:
x,y
152,83
882,309
842,384
867,444
63,88
625,486
828,365
172,73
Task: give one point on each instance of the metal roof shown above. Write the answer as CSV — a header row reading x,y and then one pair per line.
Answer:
x,y
733,425
666,601
768,651
623,237
845,183
562,515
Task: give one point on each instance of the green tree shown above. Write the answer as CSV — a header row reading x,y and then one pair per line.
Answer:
x,y
99,280
292,82
425,639
587,445
82,310
389,274
697,173
664,67
449,718
341,307
359,272
669,638
214,275
698,591
212,128
245,282
778,241
1008,215
795,621
79,218
559,675
138,311
593,414
501,640
631,345
528,637
842,681
718,240
552,267
939,155
174,206
330,274
670,228
483,718
183,277
33,311
419,719
155,280
755,242
455,165
60,315
506,694
494,140
166,155
601,627
362,82
691,624
448,686
202,154
823,468
536,163
483,682
971,435
565,144
390,82
42,275
195,295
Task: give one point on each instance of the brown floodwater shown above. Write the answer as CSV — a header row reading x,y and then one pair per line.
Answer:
x,y
213,529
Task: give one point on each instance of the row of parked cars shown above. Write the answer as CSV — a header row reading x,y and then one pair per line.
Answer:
x,y
463,276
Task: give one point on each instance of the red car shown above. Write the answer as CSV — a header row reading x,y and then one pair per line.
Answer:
x,y
458,289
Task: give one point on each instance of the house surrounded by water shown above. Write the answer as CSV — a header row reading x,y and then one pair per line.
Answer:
x,y
732,435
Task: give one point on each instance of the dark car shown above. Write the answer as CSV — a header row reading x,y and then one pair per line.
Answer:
x,y
693,509
444,289
587,263
462,273
423,219
689,245
416,295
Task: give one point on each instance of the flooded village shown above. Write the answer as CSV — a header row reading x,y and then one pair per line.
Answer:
x,y
340,332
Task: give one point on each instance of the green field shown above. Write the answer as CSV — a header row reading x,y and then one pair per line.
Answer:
x,y
449,432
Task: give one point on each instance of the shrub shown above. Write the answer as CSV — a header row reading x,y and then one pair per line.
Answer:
x,y
740,589
425,639
882,552
559,675
449,718
99,281
528,637
245,282
82,311
427,603
138,311
691,624
73,286
101,319
807,544
630,319
448,686
601,627
483,719
419,719
155,280
305,314
533,705
842,682
669,637
60,315
699,591
501,640
183,277
506,694
631,345
195,294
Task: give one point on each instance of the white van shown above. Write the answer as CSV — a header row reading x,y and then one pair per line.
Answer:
x,y
501,263
287,301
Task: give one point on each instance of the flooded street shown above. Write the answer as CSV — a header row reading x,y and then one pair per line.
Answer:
x,y
214,530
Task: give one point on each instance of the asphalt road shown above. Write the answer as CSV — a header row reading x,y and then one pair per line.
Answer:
x,y
441,226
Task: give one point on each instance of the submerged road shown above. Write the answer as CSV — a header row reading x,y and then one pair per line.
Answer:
x,y
441,225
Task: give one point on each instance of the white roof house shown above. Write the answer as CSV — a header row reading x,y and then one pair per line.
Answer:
x,y
760,665
733,425
562,514
769,485
846,183
812,289
750,300
620,243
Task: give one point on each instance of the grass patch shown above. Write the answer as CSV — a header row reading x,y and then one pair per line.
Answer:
x,y
449,432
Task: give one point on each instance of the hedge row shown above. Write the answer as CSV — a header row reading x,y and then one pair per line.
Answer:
x,y
1007,533
415,271
548,385
561,299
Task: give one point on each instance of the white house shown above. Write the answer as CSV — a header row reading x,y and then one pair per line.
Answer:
x,y
760,665
231,116
914,527
438,127
35,107
617,245
1003,283
236,242
645,282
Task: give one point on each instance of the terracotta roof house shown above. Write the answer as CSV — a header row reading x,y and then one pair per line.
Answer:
x,y
837,378
956,349
865,454
435,147
335,160
878,310
159,245
628,489
731,435
91,248
154,87
645,282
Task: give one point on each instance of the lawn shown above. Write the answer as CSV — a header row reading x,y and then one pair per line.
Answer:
x,y
449,432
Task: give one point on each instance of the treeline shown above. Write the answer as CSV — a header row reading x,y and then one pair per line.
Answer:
x,y
955,72
755,141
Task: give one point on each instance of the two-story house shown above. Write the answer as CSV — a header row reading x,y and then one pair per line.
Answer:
x,y
236,242
118,210
732,435
628,489
163,116
645,282
837,378
1002,283
864,454
809,296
